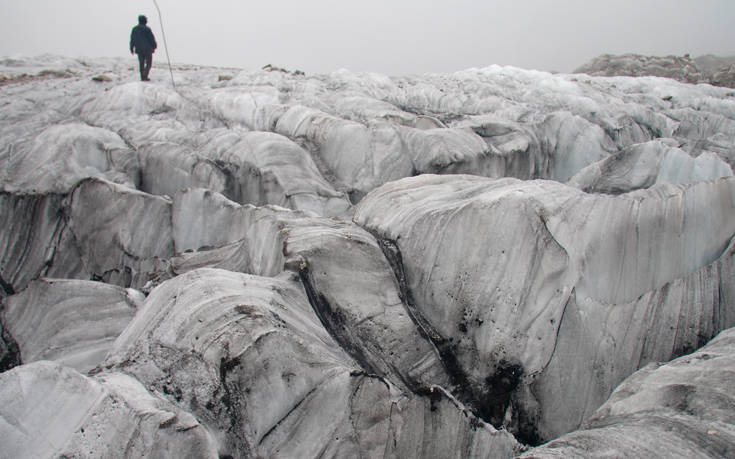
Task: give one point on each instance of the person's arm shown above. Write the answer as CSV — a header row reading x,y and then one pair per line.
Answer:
x,y
132,41
153,39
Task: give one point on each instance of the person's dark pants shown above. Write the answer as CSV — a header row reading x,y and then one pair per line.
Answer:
x,y
146,61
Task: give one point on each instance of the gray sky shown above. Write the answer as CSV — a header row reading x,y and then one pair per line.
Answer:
x,y
386,36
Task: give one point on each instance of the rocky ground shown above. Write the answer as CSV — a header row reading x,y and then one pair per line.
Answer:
x,y
267,263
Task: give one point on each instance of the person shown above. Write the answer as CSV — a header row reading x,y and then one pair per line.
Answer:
x,y
144,44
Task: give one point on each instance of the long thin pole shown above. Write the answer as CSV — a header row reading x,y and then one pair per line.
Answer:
x,y
165,45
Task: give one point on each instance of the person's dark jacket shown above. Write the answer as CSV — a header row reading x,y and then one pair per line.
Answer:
x,y
142,40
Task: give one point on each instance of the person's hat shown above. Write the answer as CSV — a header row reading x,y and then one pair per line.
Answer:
x,y
142,19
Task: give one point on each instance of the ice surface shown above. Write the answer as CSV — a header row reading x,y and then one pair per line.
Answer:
x,y
353,264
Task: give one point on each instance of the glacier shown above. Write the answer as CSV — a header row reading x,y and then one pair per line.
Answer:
x,y
266,263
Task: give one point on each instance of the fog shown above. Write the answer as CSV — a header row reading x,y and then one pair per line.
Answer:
x,y
394,37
